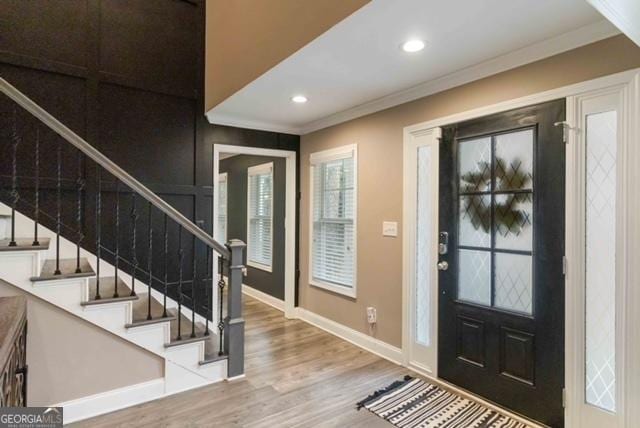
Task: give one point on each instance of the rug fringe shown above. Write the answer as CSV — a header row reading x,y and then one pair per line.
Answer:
x,y
378,393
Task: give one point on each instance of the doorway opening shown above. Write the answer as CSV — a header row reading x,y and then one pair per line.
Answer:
x,y
255,201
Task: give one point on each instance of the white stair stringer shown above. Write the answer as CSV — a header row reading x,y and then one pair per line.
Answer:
x,y
183,368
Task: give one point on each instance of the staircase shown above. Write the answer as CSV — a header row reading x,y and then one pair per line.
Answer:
x,y
104,281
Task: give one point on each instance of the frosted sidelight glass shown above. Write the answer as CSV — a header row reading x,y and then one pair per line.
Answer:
x,y
600,299
424,242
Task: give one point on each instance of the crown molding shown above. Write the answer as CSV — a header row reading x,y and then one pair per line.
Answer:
x,y
574,39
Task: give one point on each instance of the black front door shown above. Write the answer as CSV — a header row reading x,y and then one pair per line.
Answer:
x,y
501,308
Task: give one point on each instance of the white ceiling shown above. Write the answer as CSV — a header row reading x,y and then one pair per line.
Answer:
x,y
357,67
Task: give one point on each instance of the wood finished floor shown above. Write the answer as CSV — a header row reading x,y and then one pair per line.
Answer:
x,y
296,376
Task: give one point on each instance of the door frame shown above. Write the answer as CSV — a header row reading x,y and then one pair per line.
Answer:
x,y
290,215
630,82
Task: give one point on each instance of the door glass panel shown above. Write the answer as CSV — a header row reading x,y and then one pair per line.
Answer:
x,y
474,276
513,282
514,221
498,218
475,165
423,244
475,221
600,310
514,160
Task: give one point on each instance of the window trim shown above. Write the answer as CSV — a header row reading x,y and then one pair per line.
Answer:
x,y
223,177
316,158
257,170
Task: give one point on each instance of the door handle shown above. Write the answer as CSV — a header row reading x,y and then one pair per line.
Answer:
x,y
443,265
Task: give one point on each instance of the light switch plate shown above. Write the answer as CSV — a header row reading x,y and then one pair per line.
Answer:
x,y
390,228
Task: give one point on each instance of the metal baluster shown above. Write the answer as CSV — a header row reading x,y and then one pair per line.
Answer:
x,y
59,207
150,263
134,217
36,192
221,285
207,295
166,269
15,196
98,229
193,291
80,182
117,255
180,258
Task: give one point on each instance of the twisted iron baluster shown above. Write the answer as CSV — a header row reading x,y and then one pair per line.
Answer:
x,y
36,191
134,218
166,269
150,264
221,285
117,261
193,291
80,183
59,207
98,229
180,259
207,295
15,195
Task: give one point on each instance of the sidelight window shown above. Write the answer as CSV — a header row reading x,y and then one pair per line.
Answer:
x,y
495,232
333,247
260,216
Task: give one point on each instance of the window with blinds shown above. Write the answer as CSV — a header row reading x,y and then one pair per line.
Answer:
x,y
333,248
221,231
259,216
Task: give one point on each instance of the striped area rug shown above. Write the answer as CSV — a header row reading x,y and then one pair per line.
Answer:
x,y
415,403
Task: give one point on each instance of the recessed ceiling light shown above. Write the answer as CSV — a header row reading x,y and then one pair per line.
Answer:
x,y
299,99
413,45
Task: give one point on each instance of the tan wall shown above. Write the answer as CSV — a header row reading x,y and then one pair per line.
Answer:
x,y
70,358
379,139
245,38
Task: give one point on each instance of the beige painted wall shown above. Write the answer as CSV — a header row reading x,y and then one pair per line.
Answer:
x,y
245,38
70,358
379,139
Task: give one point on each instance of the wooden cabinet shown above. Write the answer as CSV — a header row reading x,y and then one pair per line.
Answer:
x,y
13,351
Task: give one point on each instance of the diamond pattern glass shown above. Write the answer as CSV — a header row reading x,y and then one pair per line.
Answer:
x,y
475,165
513,282
474,276
514,221
423,241
600,310
475,221
513,165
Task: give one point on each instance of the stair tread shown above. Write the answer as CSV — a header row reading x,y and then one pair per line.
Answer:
x,y
107,289
185,327
67,269
24,244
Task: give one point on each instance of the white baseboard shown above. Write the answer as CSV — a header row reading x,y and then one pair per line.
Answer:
x,y
109,401
368,343
263,297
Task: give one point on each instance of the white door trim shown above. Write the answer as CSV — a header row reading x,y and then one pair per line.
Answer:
x,y
631,80
290,215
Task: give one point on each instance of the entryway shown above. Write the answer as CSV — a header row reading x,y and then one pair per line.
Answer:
x,y
516,262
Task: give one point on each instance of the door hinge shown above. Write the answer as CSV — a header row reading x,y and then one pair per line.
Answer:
x,y
564,265
566,127
564,398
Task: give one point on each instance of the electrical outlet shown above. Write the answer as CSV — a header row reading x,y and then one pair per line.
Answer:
x,y
372,316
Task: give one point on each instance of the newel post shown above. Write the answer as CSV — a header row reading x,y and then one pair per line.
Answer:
x,y
234,323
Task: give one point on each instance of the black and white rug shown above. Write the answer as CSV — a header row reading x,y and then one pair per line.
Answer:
x,y
415,403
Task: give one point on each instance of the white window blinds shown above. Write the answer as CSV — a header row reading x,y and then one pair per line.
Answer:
x,y
259,216
334,205
221,231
